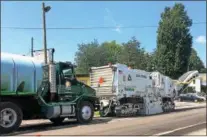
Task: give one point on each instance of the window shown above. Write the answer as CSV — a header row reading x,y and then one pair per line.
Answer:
x,y
193,81
67,72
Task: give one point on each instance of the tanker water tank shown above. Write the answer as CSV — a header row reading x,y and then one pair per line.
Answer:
x,y
22,73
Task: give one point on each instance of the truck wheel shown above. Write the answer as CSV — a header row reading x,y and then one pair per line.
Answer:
x,y
57,121
10,117
85,112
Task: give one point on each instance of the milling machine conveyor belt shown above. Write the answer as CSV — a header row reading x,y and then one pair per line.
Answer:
x,y
183,82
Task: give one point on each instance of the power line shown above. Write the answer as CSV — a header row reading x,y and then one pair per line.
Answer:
x,y
78,27
89,28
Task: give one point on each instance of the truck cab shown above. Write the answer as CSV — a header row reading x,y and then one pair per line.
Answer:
x,y
68,87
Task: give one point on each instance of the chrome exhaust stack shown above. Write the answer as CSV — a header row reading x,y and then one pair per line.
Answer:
x,y
52,77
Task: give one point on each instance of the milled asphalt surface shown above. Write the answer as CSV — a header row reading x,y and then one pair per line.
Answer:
x,y
145,125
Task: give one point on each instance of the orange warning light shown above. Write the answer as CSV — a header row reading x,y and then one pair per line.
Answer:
x,y
101,80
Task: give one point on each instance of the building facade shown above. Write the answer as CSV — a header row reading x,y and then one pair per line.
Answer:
x,y
199,83
83,78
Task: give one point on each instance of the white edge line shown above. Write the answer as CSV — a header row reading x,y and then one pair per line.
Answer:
x,y
171,131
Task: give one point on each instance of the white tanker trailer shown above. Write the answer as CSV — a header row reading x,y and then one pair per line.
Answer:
x,y
31,90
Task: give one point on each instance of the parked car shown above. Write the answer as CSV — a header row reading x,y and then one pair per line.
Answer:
x,y
192,97
202,94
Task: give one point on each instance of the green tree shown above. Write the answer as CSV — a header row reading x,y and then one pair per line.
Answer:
x,y
174,41
151,61
203,70
94,54
132,54
195,63
87,56
112,50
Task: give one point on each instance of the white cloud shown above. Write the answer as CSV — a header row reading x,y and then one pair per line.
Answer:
x,y
201,39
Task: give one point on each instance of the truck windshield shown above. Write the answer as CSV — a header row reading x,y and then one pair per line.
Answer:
x,y
68,72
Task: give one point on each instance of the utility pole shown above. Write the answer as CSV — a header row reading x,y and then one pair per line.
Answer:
x,y
32,47
45,9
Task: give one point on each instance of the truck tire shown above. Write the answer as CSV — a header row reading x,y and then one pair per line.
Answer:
x,y
85,112
57,121
11,117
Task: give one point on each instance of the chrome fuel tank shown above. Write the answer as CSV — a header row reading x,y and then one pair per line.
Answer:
x,y
17,69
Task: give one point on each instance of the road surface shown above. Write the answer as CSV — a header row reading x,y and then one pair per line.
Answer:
x,y
198,132
180,122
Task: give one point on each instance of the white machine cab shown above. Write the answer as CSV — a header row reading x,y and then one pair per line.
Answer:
x,y
132,90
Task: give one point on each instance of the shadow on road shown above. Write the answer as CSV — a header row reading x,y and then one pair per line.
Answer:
x,y
67,124
177,110
49,126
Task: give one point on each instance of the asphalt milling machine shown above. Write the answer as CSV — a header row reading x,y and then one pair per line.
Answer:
x,y
123,91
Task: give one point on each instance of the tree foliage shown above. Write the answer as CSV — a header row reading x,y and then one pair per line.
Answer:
x,y
151,61
174,41
112,50
87,56
195,63
95,54
132,54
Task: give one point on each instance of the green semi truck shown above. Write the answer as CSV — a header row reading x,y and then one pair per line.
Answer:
x,y
32,90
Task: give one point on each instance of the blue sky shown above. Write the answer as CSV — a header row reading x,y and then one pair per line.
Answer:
x,y
86,14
